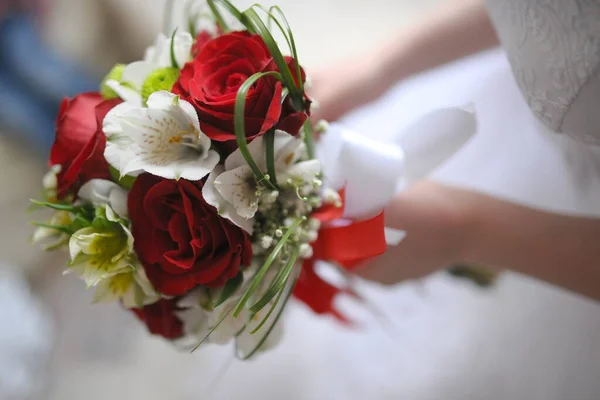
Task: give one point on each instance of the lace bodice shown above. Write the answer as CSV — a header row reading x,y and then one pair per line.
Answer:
x,y
554,50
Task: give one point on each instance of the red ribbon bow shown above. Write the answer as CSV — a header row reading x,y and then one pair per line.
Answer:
x,y
347,245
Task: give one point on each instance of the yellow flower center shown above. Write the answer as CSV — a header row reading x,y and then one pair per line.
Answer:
x,y
120,284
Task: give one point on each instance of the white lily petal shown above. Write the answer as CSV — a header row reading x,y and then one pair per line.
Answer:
x,y
257,151
288,150
192,170
104,192
133,166
282,139
126,93
136,73
111,125
236,187
117,143
304,170
160,52
213,197
180,109
164,139
117,200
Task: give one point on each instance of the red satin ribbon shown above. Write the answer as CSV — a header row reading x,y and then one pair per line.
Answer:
x,y
347,245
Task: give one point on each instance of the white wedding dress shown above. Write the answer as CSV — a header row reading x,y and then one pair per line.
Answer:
x,y
444,339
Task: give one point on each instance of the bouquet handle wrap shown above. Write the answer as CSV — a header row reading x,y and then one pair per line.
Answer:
x,y
373,171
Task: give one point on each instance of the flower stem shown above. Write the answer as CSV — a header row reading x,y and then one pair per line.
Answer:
x,y
270,149
265,268
309,139
218,17
239,124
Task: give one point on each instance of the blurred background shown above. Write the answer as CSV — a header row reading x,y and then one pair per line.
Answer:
x,y
436,339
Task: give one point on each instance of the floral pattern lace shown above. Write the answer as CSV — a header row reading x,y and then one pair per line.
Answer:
x,y
554,49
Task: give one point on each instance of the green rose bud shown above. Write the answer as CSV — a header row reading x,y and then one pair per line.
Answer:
x,y
160,79
115,73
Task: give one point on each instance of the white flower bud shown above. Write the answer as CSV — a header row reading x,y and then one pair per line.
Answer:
x,y
278,233
305,251
50,181
317,182
314,224
266,241
330,196
311,236
271,196
322,126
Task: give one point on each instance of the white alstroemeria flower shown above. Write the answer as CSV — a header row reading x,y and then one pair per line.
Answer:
x,y
158,56
236,187
131,287
226,210
49,238
160,53
103,192
100,252
163,139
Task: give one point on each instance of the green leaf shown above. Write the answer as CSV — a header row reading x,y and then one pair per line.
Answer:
x,y
252,19
270,149
173,58
125,182
232,9
278,283
218,17
239,121
275,321
264,320
212,330
79,222
58,228
263,270
309,139
230,288
290,40
56,206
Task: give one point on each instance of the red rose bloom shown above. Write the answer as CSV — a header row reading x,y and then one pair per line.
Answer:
x,y
180,239
79,142
160,318
201,39
211,81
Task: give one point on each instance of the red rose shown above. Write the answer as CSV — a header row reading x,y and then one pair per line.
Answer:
x,y
160,318
201,39
79,142
291,120
180,239
211,81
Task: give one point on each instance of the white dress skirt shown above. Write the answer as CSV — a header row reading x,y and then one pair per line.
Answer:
x,y
437,339
443,339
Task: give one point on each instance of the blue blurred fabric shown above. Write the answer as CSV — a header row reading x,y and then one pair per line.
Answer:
x,y
33,81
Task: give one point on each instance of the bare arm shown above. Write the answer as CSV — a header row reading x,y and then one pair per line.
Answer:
x,y
563,250
455,29
446,225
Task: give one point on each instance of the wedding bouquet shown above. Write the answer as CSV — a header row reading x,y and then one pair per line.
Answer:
x,y
189,189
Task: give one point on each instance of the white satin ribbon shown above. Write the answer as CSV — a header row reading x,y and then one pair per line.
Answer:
x,y
373,171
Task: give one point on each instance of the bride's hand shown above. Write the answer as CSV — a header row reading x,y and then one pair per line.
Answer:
x,y
434,217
